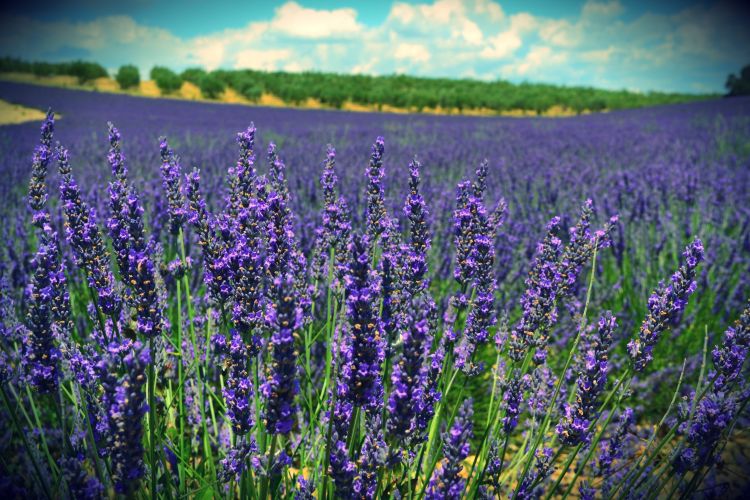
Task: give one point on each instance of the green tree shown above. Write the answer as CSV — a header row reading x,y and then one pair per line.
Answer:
x,y
739,85
86,71
211,86
166,79
128,76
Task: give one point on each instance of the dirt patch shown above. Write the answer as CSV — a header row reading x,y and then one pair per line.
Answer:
x,y
12,114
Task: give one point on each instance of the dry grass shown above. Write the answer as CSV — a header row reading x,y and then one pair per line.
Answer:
x,y
12,114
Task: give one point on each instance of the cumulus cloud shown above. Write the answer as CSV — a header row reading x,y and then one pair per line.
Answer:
x,y
294,20
598,44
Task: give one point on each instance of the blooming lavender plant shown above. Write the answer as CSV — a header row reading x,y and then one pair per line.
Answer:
x,y
446,482
664,305
363,350
170,175
85,238
575,425
124,402
281,386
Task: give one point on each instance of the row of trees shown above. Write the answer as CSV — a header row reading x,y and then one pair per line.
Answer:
x,y
394,90
83,70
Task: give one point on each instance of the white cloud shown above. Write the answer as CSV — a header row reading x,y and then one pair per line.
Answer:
x,y
412,52
268,60
502,45
538,58
294,20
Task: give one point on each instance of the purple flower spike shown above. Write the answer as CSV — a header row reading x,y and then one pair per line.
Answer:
x,y
664,306
446,482
283,317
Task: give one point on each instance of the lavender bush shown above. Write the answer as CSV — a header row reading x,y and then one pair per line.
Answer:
x,y
526,308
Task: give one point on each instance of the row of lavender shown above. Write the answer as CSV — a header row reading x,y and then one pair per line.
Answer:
x,y
344,350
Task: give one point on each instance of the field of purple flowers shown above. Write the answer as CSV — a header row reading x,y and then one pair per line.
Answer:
x,y
355,305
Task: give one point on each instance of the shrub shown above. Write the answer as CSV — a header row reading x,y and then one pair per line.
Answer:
x,y
211,86
128,76
85,71
165,79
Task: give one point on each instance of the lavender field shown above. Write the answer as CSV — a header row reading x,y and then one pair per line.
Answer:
x,y
223,301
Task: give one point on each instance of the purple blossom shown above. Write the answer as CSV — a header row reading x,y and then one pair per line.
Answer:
x,y
41,356
665,303
362,350
85,238
283,317
446,481
170,177
592,378
238,388
539,298
124,403
376,212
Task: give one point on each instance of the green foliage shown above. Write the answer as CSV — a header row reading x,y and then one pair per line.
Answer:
x,y
128,76
394,90
83,70
211,86
166,79
193,75
86,71
739,85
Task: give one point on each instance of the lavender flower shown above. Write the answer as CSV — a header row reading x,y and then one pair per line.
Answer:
x,y
482,304
284,317
574,427
416,256
409,380
129,241
611,449
242,176
238,390
41,355
170,175
392,277
363,348
730,357
664,305
446,482
85,238
513,389
342,470
538,300
125,404
713,414
40,161
217,272
376,212
581,247
463,235
372,457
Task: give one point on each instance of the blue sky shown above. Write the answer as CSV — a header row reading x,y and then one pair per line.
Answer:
x,y
666,45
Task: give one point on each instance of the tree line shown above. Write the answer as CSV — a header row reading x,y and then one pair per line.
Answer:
x,y
334,89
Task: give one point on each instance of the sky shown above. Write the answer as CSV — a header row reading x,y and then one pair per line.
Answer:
x,y
619,44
